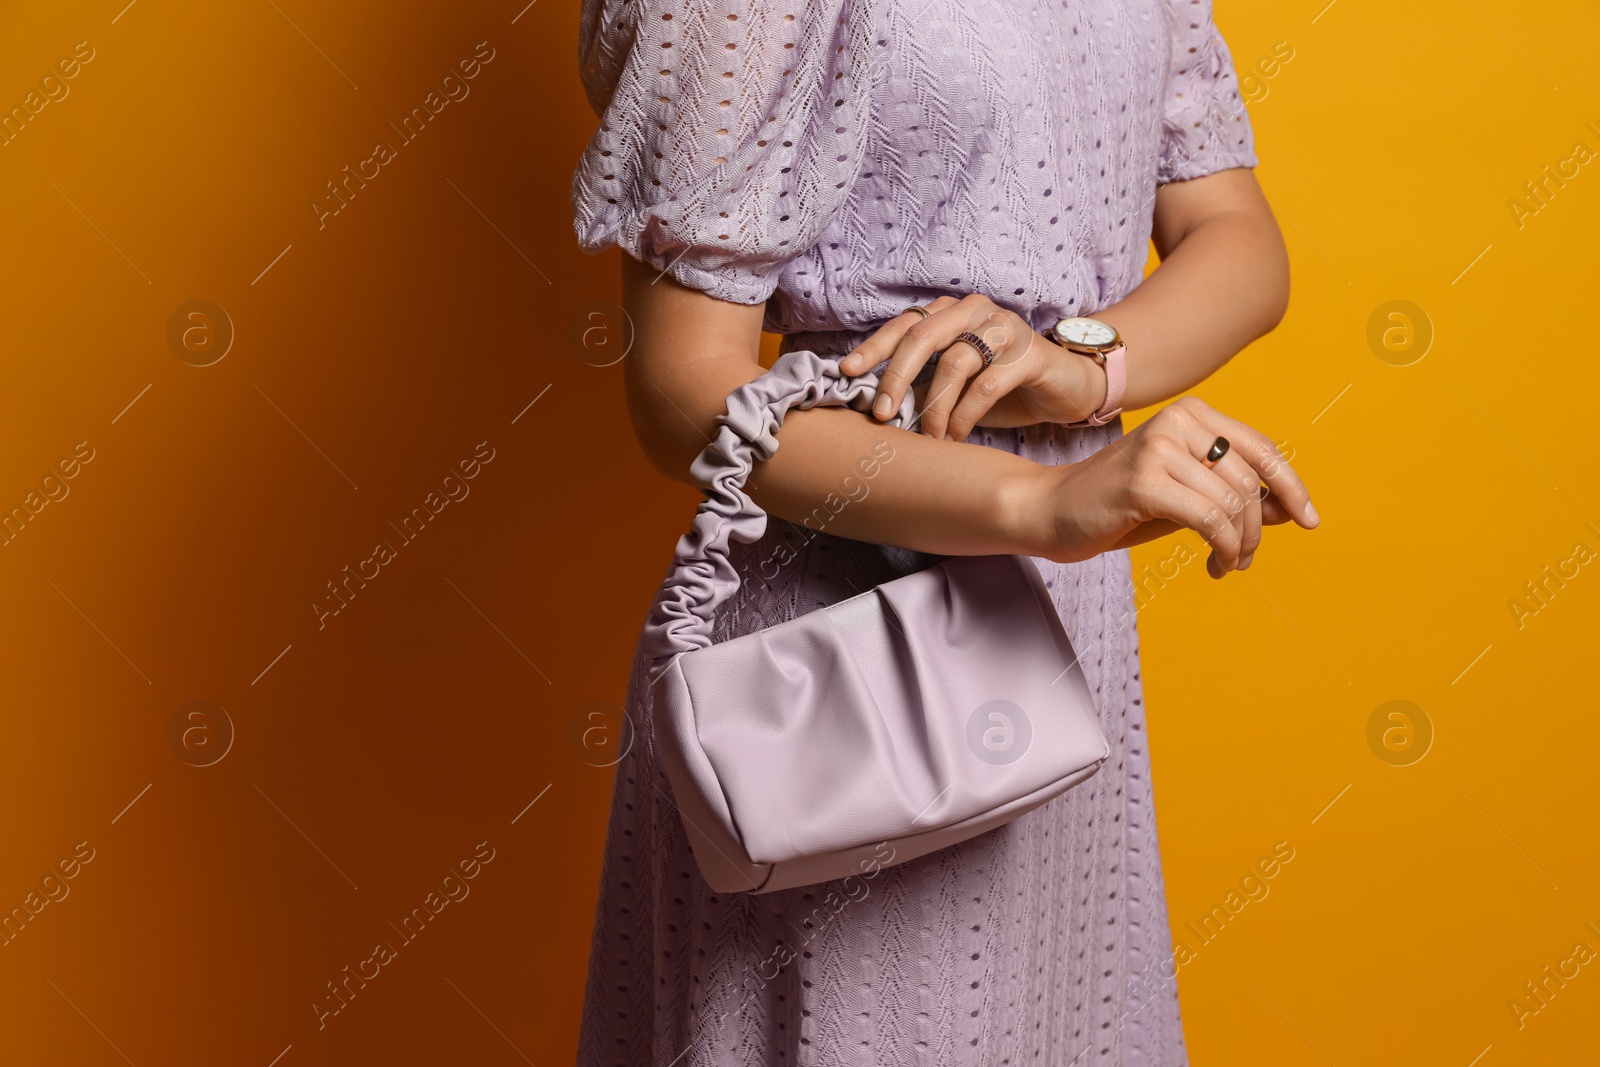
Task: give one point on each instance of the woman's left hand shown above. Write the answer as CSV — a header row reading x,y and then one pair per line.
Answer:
x,y
1031,379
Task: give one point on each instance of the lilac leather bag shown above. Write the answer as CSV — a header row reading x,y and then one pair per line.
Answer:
x,y
866,733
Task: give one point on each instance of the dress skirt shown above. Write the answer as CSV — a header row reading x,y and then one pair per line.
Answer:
x,y
1043,942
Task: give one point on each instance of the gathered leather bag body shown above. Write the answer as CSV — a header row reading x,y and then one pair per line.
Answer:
x,y
866,733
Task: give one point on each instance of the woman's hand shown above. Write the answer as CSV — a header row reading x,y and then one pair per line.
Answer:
x,y
1153,482
1031,380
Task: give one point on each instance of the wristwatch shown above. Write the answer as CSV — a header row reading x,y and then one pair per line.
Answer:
x,y
1101,343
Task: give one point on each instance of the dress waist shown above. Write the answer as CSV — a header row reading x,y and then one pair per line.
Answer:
x,y
837,342
834,343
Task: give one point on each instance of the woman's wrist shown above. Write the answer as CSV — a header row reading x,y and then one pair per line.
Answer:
x,y
1027,503
1074,383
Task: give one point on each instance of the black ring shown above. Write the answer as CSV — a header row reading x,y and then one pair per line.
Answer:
x,y
1218,449
977,343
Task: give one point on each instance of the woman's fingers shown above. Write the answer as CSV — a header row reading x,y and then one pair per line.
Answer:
x,y
1164,481
1256,449
1011,339
1155,480
1219,491
881,344
1001,377
1242,479
1204,515
958,363
917,346
954,385
886,343
962,389
1274,513
1253,482
1249,486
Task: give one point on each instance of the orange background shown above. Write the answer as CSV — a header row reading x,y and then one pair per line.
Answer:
x,y
443,307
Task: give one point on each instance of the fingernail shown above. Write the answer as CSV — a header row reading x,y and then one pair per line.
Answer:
x,y
882,406
1311,514
1244,564
850,358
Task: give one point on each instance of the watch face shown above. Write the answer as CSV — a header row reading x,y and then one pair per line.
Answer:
x,y
1089,332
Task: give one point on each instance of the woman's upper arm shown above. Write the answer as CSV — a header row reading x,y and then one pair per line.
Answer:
x,y
690,350
1182,206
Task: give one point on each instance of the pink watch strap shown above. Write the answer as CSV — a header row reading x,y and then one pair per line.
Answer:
x,y
1116,368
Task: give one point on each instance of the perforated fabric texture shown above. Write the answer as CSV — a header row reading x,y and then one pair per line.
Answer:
x,y
839,160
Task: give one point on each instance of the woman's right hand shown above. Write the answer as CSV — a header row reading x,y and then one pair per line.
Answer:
x,y
1152,482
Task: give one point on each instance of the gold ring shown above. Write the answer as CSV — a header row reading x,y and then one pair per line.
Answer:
x,y
1218,449
924,312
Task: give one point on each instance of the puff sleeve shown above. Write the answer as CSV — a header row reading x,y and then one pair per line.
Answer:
x,y
730,131
1204,125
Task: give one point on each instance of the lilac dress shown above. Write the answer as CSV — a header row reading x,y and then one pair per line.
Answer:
x,y
839,160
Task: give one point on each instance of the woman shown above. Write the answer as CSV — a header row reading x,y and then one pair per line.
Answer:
x,y
873,178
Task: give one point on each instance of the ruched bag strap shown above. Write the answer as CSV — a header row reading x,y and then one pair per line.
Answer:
x,y
702,577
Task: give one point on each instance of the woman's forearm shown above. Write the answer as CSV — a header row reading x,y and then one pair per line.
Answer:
x,y
836,470
840,472
1223,284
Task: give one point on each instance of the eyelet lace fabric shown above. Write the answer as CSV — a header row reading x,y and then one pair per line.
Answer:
x,y
839,160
